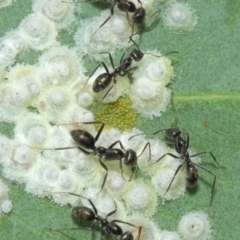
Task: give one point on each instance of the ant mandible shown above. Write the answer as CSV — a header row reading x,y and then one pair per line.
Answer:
x,y
174,137
86,214
104,79
85,140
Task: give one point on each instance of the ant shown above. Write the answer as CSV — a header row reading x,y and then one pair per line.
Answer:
x,y
85,140
174,137
138,16
103,80
91,215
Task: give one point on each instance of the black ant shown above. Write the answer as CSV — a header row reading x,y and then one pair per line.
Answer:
x,y
103,80
138,16
85,140
174,137
86,214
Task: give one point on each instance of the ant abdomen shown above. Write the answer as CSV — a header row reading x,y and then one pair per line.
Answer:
x,y
83,213
83,138
191,175
102,82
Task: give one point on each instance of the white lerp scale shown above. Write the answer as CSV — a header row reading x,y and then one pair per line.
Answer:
x,y
61,83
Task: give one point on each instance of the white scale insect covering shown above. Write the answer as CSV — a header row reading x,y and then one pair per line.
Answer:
x,y
55,86
5,203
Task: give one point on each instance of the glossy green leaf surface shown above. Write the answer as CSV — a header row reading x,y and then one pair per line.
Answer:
x,y
206,92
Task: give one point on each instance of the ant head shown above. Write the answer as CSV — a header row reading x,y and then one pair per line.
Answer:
x,y
130,158
139,16
173,133
127,235
136,54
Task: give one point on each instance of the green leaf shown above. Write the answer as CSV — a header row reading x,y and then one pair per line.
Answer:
x,y
206,93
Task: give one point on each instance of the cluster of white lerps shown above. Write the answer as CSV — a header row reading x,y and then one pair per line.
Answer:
x,y
55,86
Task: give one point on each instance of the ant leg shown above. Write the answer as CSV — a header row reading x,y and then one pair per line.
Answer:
x,y
169,154
120,160
134,171
154,21
130,224
74,123
99,132
115,143
187,141
121,168
134,42
149,146
89,200
175,174
129,22
63,148
150,26
105,177
104,65
128,70
111,213
112,11
119,221
213,157
175,118
109,89
122,58
110,57
39,148
77,195
147,133
214,180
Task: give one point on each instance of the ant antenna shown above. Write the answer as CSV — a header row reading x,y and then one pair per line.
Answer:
x,y
145,53
175,118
